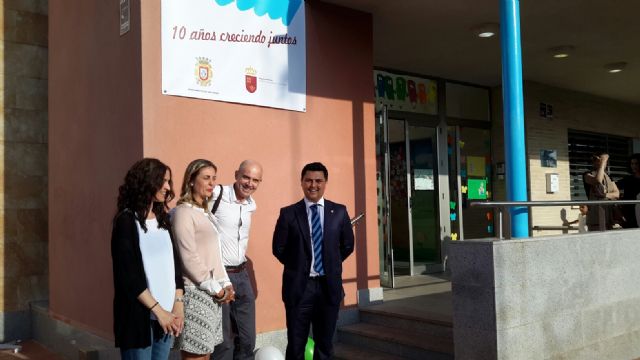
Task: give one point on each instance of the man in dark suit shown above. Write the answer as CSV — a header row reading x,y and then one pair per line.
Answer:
x,y
312,238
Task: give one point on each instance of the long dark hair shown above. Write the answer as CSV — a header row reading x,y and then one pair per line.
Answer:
x,y
142,182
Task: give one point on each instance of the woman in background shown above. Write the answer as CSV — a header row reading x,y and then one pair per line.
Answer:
x,y
630,187
147,306
600,187
206,281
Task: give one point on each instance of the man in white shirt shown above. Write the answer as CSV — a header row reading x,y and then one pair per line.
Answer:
x,y
233,219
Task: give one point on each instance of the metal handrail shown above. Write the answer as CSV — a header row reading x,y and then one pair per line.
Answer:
x,y
502,207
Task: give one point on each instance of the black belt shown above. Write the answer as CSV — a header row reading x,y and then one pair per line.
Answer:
x,y
236,268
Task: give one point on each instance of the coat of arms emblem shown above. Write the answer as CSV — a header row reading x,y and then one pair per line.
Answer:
x,y
251,80
204,71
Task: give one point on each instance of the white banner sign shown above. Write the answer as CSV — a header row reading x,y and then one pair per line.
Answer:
x,y
243,51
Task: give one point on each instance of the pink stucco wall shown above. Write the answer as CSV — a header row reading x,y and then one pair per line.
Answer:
x,y
337,129
95,134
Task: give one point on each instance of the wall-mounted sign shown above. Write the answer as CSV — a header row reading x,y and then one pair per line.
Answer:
x,y
405,93
232,50
125,17
500,170
423,179
553,183
546,111
549,158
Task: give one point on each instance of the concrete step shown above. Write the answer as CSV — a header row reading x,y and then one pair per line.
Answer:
x,y
398,342
349,352
418,323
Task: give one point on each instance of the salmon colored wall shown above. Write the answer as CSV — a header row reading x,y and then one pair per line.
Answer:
x,y
107,110
337,129
95,134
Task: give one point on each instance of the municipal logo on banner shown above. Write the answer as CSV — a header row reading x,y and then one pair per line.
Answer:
x,y
251,81
203,71
241,51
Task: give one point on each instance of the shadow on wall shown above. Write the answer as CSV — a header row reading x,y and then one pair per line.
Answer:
x,y
360,185
327,23
24,172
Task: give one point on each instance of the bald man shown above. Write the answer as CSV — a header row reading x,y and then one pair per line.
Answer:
x,y
233,219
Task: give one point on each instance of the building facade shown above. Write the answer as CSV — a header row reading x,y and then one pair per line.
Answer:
x,y
411,173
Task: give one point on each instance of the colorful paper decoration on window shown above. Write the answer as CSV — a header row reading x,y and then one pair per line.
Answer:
x,y
405,93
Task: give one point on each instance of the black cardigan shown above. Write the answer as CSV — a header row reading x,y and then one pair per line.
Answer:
x,y
131,319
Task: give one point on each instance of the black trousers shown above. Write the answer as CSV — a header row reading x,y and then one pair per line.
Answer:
x,y
313,311
238,322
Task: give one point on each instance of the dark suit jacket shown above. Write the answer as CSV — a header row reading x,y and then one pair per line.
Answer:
x,y
292,246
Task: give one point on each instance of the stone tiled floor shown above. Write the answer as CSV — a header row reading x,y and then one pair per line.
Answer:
x,y
411,286
31,350
421,295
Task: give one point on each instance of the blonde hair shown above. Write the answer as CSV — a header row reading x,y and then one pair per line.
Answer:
x,y
190,174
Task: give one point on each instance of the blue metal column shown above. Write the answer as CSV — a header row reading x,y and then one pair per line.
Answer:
x,y
512,99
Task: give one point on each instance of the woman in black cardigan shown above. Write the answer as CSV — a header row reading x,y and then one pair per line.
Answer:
x,y
147,306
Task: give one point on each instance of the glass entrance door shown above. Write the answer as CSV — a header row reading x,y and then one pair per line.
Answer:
x,y
408,202
399,198
423,198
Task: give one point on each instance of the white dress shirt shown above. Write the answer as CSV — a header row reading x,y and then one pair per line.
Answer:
x,y
233,220
320,203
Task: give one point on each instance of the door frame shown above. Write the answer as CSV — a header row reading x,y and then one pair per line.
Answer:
x,y
386,257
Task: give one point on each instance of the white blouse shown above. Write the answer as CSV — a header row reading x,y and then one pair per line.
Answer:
x,y
157,259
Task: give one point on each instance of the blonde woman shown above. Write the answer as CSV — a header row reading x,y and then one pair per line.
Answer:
x,y
206,282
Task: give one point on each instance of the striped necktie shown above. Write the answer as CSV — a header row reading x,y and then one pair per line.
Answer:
x,y
316,238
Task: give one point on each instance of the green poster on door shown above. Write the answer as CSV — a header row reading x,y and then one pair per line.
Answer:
x,y
477,189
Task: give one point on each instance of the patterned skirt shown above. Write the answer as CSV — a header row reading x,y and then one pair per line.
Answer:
x,y
202,322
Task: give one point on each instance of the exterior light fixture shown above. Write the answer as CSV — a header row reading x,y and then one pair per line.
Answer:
x,y
561,52
615,67
486,30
